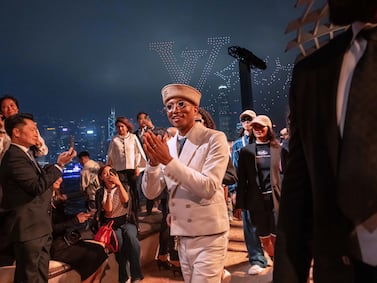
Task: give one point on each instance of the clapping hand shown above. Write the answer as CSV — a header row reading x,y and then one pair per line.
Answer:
x,y
156,149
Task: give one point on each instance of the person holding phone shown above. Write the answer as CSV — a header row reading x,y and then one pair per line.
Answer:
x,y
114,202
9,106
26,223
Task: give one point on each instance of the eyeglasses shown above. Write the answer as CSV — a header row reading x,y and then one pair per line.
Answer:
x,y
180,105
246,119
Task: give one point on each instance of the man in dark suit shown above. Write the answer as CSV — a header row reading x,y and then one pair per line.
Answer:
x,y
26,200
314,224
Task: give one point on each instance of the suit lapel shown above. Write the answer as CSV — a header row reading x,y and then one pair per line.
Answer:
x,y
34,162
172,143
328,79
36,166
189,147
327,110
188,151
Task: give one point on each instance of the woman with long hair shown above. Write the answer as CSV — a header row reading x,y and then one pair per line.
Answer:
x,y
87,258
114,203
259,181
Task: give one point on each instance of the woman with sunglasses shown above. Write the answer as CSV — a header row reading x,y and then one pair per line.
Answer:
x,y
259,185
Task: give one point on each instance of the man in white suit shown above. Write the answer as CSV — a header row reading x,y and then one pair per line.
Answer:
x,y
193,174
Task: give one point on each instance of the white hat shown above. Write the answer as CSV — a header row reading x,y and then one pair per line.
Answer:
x,y
181,90
250,113
262,120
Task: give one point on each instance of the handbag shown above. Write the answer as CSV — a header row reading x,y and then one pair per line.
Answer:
x,y
72,237
107,235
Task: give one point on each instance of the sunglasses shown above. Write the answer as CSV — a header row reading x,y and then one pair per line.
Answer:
x,y
246,119
180,105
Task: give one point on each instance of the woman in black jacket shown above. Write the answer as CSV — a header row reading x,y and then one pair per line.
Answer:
x,y
259,185
87,258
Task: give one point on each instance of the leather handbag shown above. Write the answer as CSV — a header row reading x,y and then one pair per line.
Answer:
x,y
107,235
72,237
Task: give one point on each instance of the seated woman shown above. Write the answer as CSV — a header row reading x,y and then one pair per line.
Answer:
x,y
87,258
115,203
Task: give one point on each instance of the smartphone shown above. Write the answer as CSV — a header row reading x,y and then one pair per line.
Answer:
x,y
71,141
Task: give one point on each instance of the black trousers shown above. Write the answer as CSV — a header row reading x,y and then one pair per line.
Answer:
x,y
365,273
32,260
167,243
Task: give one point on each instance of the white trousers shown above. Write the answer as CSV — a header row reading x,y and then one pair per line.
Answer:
x,y
202,258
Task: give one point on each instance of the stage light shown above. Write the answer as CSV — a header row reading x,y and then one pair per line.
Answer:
x,y
247,57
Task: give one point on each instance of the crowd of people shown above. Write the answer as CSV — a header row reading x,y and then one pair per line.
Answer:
x,y
297,192
146,163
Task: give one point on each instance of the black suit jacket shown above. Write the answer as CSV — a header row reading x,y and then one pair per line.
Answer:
x,y
249,195
27,195
310,224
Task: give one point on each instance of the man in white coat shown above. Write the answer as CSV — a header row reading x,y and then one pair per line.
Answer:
x,y
193,174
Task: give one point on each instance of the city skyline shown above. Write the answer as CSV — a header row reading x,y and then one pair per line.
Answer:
x,y
74,59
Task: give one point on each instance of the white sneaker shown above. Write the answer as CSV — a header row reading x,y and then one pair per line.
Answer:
x,y
255,269
226,276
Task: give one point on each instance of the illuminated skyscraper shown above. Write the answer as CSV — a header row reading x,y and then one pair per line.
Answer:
x,y
224,122
111,124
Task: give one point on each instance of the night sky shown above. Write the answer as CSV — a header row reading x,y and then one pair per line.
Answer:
x,y
74,58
